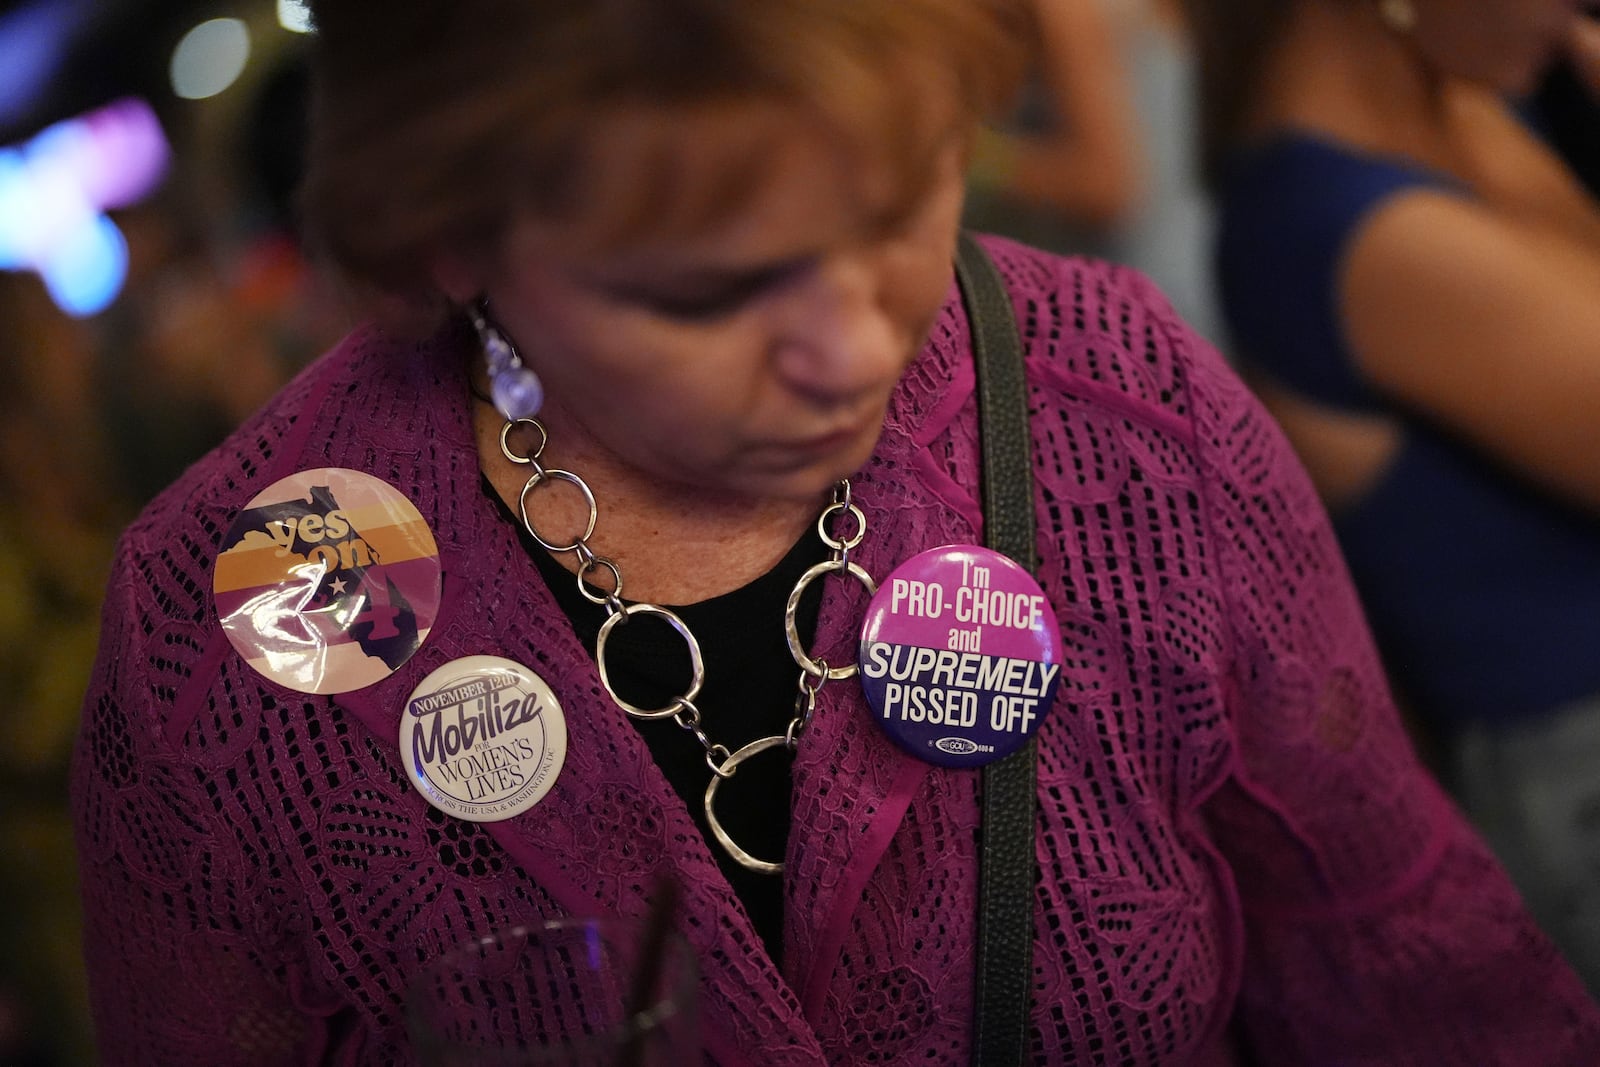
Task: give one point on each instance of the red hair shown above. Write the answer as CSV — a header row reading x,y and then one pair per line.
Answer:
x,y
435,122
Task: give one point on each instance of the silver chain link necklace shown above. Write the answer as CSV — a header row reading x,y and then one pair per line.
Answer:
x,y
814,673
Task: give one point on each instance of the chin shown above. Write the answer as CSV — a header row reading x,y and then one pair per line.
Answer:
x,y
806,478
809,485
810,482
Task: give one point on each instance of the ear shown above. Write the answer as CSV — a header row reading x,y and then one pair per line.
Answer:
x,y
457,279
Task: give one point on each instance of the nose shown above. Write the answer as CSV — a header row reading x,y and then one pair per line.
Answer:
x,y
835,337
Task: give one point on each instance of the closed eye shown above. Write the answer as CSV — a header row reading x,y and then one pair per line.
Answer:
x,y
699,298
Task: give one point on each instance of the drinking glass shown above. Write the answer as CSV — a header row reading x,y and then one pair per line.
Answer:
x,y
568,992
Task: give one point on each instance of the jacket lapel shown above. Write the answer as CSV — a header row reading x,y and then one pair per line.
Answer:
x,y
853,786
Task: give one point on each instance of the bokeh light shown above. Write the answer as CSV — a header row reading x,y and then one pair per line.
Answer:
x,y
56,188
210,58
294,16
87,268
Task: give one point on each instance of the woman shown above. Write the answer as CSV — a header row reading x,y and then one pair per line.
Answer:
x,y
1413,280
719,236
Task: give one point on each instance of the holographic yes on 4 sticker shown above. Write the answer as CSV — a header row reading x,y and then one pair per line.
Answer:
x,y
328,581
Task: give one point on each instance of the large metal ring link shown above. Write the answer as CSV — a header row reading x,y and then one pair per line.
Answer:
x,y
743,858
792,630
541,476
696,663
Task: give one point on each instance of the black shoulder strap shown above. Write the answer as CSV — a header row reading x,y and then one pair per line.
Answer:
x,y
1006,867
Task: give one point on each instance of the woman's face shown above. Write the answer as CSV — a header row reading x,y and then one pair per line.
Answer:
x,y
756,355
1502,44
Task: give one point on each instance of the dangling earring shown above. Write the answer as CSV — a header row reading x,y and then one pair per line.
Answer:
x,y
1399,15
516,391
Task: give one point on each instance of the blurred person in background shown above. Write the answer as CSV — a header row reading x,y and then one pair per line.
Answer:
x,y
1100,156
1063,170
1412,279
1167,230
697,256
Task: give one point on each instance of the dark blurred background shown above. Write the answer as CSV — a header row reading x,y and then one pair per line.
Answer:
x,y
152,294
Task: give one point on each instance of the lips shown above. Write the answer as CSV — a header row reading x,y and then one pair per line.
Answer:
x,y
824,443
843,432
836,448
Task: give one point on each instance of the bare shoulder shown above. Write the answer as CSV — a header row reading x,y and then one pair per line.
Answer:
x,y
1430,263
1483,320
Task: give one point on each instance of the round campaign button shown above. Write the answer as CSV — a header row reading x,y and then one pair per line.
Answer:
x,y
328,581
483,738
960,656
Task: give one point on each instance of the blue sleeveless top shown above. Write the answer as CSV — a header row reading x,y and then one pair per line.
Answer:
x,y
1483,590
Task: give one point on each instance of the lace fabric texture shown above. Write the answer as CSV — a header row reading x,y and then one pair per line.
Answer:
x,y
1236,845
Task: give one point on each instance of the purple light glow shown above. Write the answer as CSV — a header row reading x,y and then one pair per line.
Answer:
x,y
56,188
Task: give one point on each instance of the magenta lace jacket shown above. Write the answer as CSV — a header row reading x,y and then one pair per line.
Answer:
x,y
1236,845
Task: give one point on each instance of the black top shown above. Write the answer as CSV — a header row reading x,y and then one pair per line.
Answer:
x,y
749,693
